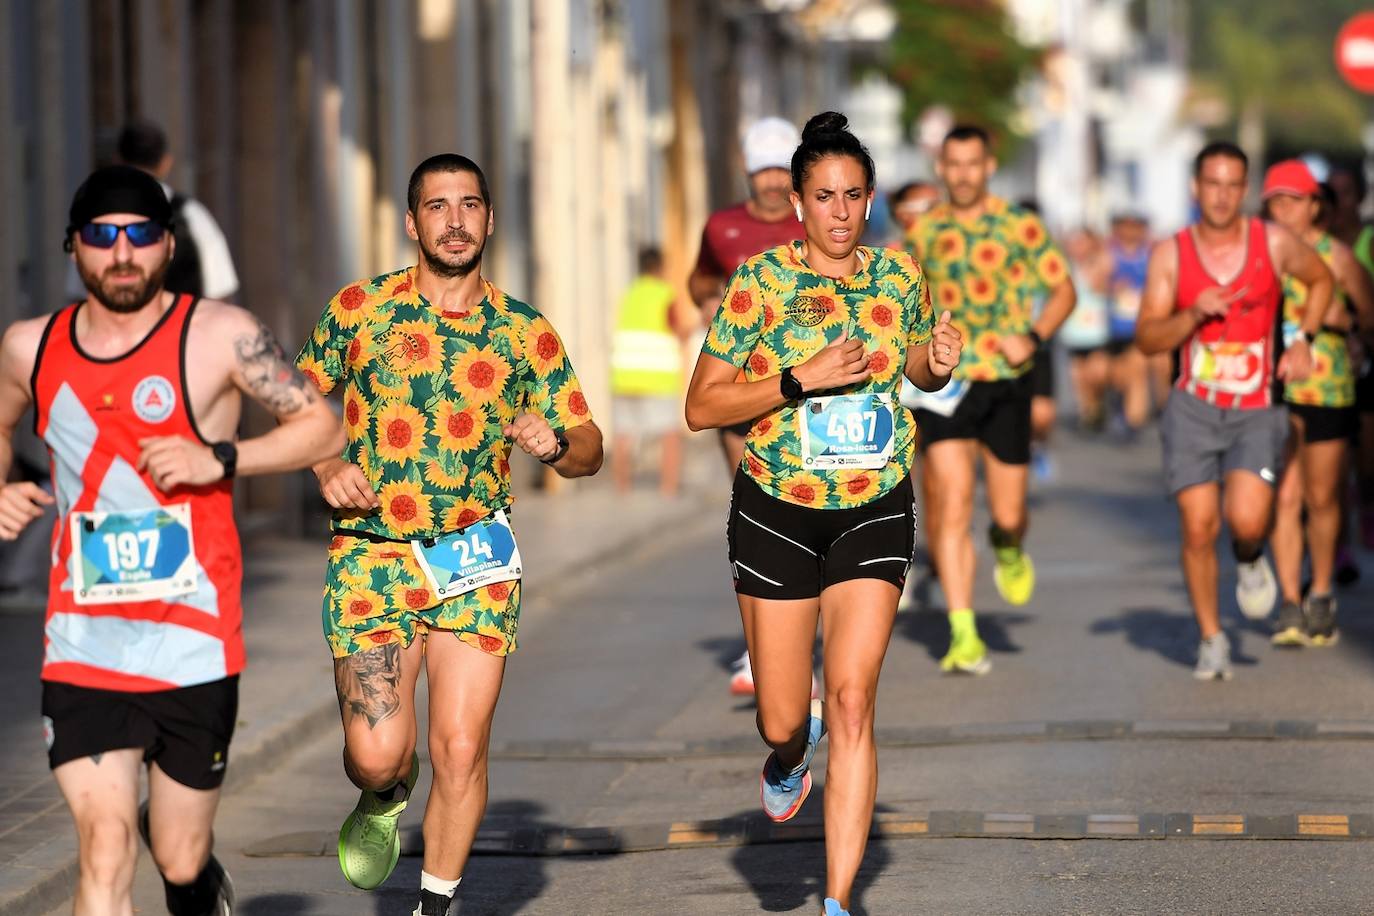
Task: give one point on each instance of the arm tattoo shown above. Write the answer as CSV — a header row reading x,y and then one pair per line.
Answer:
x,y
269,375
368,684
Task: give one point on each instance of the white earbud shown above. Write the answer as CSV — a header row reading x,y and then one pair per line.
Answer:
x,y
868,209
799,213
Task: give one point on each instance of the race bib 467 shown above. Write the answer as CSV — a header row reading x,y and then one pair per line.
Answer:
x,y
847,431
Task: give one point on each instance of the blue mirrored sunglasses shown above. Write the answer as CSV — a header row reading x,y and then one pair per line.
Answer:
x,y
140,235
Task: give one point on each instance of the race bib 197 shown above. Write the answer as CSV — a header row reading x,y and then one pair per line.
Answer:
x,y
142,555
846,431
478,555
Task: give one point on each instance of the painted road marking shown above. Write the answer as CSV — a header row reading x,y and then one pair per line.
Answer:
x,y
536,840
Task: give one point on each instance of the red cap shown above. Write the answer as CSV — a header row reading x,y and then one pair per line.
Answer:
x,y
1291,176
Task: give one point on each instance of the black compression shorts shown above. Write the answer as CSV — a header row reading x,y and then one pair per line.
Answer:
x,y
783,551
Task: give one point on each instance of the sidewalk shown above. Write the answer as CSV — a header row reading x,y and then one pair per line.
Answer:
x,y
287,695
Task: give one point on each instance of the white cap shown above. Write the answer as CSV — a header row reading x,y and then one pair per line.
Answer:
x,y
769,144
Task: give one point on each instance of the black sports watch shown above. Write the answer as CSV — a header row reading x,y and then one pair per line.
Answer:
x,y
562,448
790,387
1308,336
227,454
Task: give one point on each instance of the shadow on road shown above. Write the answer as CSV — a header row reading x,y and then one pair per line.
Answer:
x,y
930,628
791,876
725,649
1173,634
277,905
501,884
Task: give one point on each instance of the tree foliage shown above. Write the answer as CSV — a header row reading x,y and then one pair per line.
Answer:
x,y
1277,54
960,54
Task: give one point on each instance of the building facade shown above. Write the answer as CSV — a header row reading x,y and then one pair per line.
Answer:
x,y
602,125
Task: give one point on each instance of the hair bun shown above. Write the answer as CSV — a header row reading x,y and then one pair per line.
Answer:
x,y
827,122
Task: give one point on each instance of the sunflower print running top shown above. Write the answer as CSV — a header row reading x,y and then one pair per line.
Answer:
x,y
427,393
1332,382
778,312
988,273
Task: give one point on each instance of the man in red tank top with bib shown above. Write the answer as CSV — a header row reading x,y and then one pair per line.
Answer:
x,y
137,393
1212,292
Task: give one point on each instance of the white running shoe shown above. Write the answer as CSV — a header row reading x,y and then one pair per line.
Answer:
x,y
1256,589
1214,659
742,676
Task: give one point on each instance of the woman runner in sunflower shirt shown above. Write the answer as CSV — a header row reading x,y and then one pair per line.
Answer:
x,y
822,516
1321,411
443,374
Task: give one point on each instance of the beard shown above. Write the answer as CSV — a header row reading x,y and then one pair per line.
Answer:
x,y
965,194
450,266
123,298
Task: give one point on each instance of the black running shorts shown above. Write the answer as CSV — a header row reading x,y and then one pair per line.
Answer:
x,y
186,731
783,551
1323,424
996,414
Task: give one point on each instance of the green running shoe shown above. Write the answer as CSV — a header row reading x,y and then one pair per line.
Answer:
x,y
967,654
369,843
1014,575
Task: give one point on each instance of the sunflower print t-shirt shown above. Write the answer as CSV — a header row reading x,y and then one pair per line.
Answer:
x,y
988,272
778,312
427,393
1332,382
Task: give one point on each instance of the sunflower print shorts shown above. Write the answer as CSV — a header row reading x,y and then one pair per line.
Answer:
x,y
375,594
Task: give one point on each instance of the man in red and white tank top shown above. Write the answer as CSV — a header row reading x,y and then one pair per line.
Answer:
x,y
137,393
1212,293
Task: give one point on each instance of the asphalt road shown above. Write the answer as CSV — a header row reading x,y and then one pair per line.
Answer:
x,y
615,715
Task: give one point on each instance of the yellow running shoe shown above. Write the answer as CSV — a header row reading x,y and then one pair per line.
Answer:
x,y
1014,575
369,842
967,654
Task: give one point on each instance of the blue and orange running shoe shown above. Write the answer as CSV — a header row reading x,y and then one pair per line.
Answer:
x,y
782,793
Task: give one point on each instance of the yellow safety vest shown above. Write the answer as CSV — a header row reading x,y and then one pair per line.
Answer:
x,y
646,358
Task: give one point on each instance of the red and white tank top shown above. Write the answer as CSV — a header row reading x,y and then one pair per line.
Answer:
x,y
1230,361
144,589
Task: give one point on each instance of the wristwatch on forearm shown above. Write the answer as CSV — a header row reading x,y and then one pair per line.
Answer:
x,y
791,389
227,454
562,448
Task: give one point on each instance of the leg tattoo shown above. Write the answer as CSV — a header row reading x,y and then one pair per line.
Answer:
x,y
368,684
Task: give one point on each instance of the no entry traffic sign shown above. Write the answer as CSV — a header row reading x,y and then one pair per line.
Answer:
x,y
1355,51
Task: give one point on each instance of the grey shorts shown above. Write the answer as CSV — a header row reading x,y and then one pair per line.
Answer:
x,y
646,415
1203,443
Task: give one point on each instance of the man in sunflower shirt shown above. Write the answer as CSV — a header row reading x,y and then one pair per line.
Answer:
x,y
442,373
985,260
